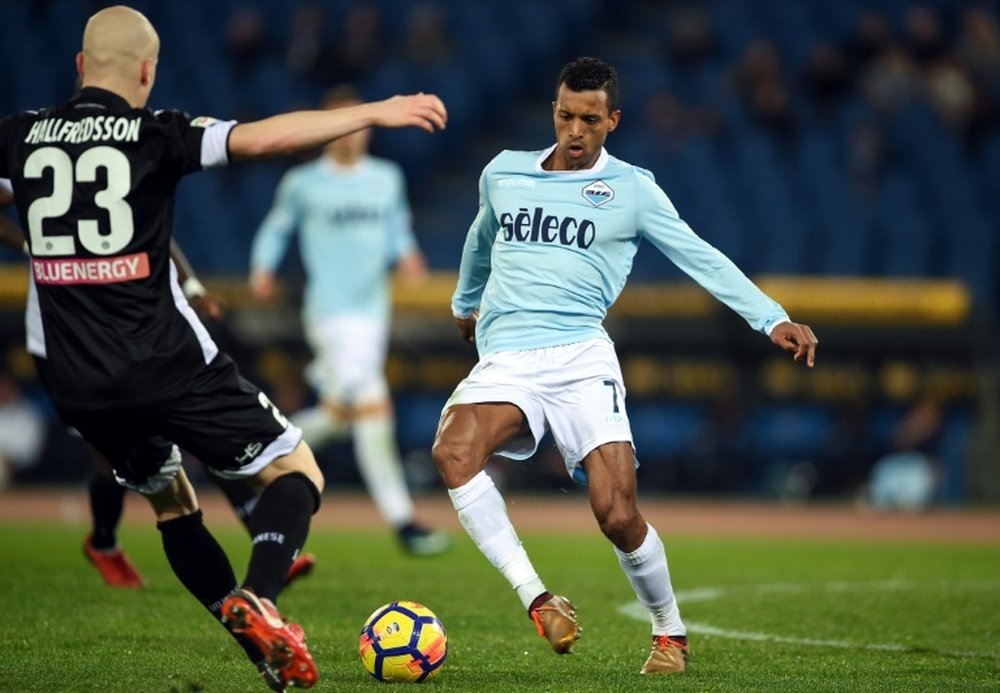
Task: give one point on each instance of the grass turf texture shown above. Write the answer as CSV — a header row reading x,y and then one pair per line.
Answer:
x,y
935,607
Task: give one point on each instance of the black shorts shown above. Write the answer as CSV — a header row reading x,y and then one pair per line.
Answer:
x,y
221,418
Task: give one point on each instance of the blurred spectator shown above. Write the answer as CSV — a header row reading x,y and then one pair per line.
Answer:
x,y
306,40
672,123
924,35
827,78
427,41
690,40
951,94
868,160
23,430
907,477
979,49
760,64
359,45
890,82
771,108
872,36
245,39
760,82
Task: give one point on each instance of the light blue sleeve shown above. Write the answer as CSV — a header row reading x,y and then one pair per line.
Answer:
x,y
659,222
402,242
474,270
272,238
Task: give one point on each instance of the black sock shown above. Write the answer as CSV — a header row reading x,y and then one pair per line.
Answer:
x,y
202,567
241,495
279,526
106,502
197,559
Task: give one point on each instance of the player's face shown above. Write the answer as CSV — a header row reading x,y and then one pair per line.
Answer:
x,y
582,123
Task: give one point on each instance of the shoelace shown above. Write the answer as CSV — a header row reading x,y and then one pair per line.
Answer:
x,y
536,616
663,642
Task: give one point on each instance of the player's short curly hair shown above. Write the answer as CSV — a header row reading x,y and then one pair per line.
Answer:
x,y
591,74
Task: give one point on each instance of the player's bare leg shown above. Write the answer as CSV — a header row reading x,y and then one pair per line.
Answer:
x,y
467,436
611,479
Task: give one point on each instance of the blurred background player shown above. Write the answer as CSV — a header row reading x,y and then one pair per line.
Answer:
x,y
532,296
106,497
353,219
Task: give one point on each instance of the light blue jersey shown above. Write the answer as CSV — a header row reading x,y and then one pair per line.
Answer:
x,y
549,252
353,224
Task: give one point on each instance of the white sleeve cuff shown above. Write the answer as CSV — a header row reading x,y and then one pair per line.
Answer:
x,y
769,328
215,144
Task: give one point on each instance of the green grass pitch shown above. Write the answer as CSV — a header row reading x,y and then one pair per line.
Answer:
x,y
763,616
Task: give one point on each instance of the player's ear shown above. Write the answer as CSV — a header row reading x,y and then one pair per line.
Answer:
x,y
613,119
79,65
147,72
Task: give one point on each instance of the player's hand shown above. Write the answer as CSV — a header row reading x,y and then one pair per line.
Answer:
x,y
411,270
421,110
209,306
797,338
467,327
263,285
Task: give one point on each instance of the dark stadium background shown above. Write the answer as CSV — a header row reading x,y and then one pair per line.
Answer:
x,y
845,154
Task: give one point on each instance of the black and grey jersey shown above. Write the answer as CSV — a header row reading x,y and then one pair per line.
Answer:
x,y
94,183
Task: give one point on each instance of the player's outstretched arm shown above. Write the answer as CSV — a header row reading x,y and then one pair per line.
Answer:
x,y
797,338
300,130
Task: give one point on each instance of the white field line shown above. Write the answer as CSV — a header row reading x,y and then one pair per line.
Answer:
x,y
638,612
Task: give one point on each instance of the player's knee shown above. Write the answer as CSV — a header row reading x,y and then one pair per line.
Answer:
x,y
448,453
298,461
305,463
178,500
454,461
617,522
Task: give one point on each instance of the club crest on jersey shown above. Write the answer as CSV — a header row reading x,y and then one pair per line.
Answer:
x,y
598,193
202,122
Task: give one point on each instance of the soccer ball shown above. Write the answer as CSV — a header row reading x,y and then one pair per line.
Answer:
x,y
404,642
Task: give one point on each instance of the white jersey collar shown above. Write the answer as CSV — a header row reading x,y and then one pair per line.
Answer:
x,y
598,166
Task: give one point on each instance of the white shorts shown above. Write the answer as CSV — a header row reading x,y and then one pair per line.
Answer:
x,y
349,367
576,391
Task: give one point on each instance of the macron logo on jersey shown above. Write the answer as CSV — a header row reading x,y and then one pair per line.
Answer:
x,y
539,227
515,183
105,270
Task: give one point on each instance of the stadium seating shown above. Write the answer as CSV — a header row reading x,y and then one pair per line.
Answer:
x,y
741,189
806,199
